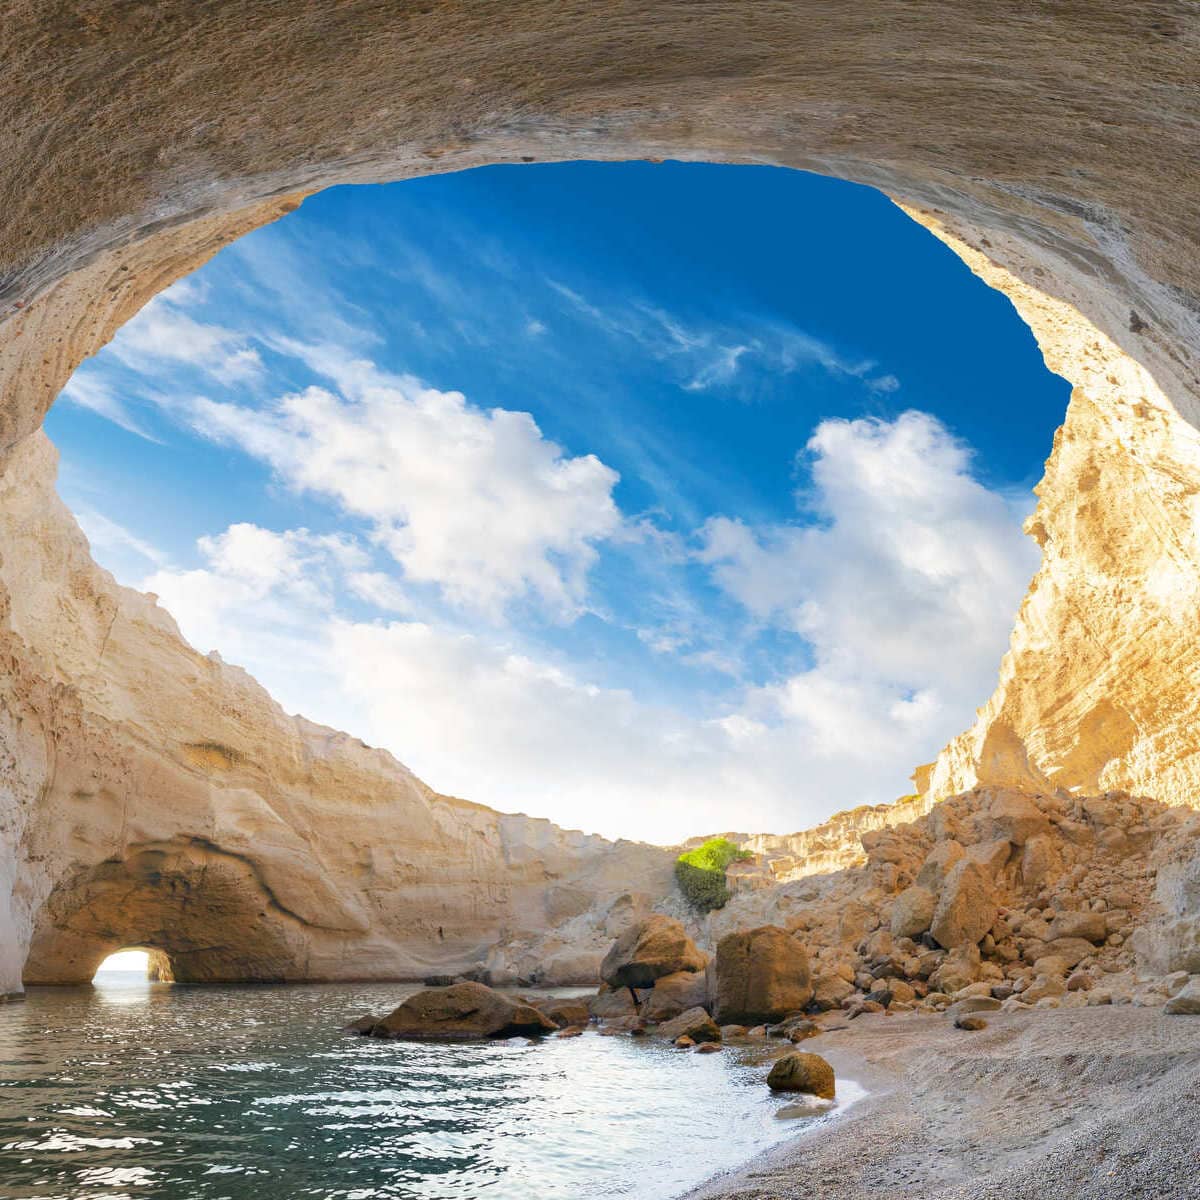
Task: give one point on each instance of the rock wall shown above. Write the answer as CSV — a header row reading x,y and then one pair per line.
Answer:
x,y
1053,147
169,802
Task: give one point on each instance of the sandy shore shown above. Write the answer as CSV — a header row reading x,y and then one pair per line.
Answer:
x,y
1049,1105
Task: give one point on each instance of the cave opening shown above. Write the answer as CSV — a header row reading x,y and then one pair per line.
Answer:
x,y
133,965
674,381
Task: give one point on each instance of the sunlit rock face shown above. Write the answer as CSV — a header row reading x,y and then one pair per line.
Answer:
x,y
170,803
1054,151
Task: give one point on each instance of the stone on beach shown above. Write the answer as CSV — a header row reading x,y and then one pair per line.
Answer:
x,y
695,1023
970,1023
762,976
801,1071
1185,1002
967,907
912,913
675,994
563,1012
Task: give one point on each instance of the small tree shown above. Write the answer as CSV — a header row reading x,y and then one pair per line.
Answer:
x,y
700,873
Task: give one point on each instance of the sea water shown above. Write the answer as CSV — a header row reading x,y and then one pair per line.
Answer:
x,y
131,1089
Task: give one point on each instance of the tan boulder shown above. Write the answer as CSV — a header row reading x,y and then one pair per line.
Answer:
x,y
1090,925
1185,1002
938,864
957,970
830,990
675,994
1012,817
992,856
564,1013
762,976
1044,987
609,1003
695,1024
647,951
464,1010
913,911
1041,860
801,1071
1072,951
967,907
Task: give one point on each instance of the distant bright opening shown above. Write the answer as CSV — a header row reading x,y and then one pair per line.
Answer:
x,y
123,967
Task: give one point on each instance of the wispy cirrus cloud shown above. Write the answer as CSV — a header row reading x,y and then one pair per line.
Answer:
x,y
165,334
95,394
710,354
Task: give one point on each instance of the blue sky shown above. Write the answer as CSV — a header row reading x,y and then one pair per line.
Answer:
x,y
650,498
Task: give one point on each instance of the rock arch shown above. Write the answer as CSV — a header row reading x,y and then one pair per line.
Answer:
x,y
1053,147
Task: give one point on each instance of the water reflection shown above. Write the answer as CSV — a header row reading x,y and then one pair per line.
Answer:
x,y
136,1089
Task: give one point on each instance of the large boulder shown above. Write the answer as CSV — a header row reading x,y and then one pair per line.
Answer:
x,y
564,1012
647,951
695,1024
913,911
611,1003
675,994
1166,946
801,1071
1185,1002
959,969
1089,925
464,1010
762,976
1041,860
829,990
938,864
1172,943
1012,817
1071,950
967,908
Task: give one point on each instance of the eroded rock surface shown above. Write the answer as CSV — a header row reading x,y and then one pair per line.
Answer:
x,y
462,1011
762,975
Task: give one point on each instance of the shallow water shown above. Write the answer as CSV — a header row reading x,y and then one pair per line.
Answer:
x,y
146,1090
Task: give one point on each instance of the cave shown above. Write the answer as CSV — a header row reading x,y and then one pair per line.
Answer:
x,y
152,795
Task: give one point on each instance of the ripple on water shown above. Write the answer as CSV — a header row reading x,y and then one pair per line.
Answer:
x,y
232,1093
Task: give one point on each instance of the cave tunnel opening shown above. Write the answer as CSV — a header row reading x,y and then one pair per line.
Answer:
x,y
134,965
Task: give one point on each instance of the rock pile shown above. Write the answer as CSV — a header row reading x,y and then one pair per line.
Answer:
x,y
993,899
1022,899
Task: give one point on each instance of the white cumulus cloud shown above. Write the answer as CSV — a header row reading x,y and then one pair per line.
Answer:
x,y
904,591
479,502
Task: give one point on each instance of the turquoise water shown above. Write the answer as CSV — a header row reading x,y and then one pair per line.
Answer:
x,y
146,1090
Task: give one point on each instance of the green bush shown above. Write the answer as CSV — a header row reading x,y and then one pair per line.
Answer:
x,y
700,873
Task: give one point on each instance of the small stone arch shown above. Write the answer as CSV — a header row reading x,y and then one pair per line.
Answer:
x,y
200,913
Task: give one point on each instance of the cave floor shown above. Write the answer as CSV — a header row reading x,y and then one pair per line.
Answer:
x,y
1075,1104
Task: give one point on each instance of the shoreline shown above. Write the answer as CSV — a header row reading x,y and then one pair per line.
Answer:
x,y
1080,1104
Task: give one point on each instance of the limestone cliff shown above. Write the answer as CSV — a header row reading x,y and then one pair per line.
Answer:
x,y
171,803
